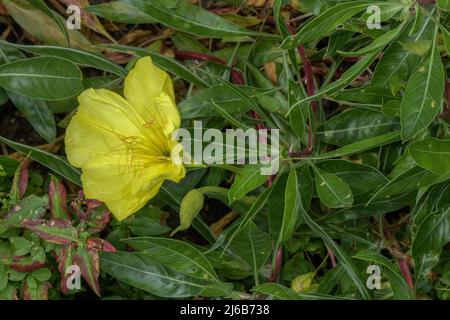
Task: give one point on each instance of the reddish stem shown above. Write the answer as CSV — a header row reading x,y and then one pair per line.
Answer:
x,y
402,263
332,257
186,55
310,90
277,268
236,77
404,268
309,77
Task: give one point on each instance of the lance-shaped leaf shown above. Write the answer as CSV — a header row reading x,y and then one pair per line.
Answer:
x,y
398,284
344,80
20,182
432,154
88,261
56,163
253,246
343,257
141,271
120,11
55,231
247,179
29,208
329,20
175,254
57,196
46,78
65,261
422,99
280,292
432,234
184,16
332,190
77,56
291,206
25,264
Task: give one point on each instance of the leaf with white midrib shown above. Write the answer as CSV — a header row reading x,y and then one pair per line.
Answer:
x,y
423,95
201,262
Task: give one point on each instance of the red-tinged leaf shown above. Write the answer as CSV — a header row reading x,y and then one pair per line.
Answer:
x,y
57,196
38,293
20,181
65,260
88,261
25,264
55,230
81,207
29,208
100,245
99,220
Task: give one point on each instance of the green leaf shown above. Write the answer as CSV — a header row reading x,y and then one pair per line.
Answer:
x,y
355,125
291,206
329,20
280,292
422,99
42,274
46,78
432,154
398,284
256,207
361,209
432,234
186,17
175,254
340,254
333,192
56,163
360,146
54,231
368,95
77,56
398,61
247,179
405,183
199,105
30,208
190,207
378,43
120,11
141,271
37,114
253,246
88,261
164,62
344,80
361,178
20,246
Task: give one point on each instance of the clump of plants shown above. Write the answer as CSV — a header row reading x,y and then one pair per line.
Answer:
x,y
346,102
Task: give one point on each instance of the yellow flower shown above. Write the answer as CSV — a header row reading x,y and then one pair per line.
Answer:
x,y
124,146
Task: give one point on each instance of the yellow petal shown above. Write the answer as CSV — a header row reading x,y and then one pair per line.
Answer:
x,y
128,177
129,204
103,123
150,90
